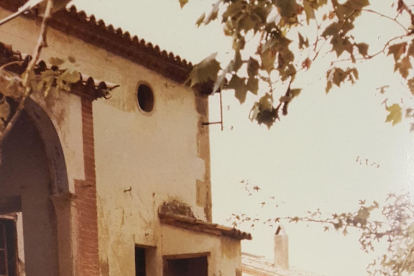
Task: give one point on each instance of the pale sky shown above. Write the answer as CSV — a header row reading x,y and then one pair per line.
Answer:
x,y
308,160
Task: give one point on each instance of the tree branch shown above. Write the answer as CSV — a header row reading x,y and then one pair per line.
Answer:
x,y
386,16
41,43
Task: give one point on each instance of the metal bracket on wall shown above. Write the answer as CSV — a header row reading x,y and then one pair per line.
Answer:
x,y
221,115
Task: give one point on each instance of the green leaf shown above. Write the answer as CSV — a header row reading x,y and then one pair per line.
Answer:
x,y
344,12
285,99
404,66
55,61
214,12
354,71
239,86
4,109
332,30
295,92
287,8
183,3
303,42
340,44
200,19
411,49
252,67
266,102
238,42
32,75
253,85
357,4
267,114
263,10
287,72
363,48
65,80
254,112
306,63
309,11
316,4
268,58
234,9
11,86
346,27
207,69
397,50
328,87
46,82
339,76
395,115
247,23
410,84
238,62
70,76
267,117
220,80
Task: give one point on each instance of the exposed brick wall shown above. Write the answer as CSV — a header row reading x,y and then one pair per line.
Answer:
x,y
87,262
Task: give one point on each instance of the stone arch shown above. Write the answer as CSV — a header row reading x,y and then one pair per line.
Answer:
x,y
52,145
34,184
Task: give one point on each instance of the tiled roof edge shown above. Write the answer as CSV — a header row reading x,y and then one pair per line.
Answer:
x,y
203,226
118,41
85,87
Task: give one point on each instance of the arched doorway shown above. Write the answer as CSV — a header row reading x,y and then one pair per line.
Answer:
x,y
32,176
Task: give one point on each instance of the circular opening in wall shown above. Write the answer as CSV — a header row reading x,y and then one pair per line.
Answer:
x,y
145,98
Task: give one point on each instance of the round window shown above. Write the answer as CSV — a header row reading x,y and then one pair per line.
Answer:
x,y
145,98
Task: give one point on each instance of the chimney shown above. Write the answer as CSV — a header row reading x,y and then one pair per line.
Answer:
x,y
281,249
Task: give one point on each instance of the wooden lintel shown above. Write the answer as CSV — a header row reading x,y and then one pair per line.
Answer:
x,y
186,256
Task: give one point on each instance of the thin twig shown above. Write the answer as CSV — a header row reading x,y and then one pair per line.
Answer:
x,y
402,6
9,64
386,16
376,54
41,43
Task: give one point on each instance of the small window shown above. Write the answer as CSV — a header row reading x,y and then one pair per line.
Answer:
x,y
145,98
140,267
186,266
8,247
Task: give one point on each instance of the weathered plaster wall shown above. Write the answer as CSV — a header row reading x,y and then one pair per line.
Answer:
x,y
25,172
167,140
141,159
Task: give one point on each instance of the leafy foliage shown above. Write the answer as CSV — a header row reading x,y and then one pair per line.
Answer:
x,y
395,115
61,75
391,224
278,30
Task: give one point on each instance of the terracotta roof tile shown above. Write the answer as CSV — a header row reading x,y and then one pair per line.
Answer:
x,y
120,42
86,86
198,225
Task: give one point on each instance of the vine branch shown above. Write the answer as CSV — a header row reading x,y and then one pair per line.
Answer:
x,y
386,16
41,43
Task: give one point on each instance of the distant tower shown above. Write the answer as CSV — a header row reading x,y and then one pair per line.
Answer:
x,y
281,249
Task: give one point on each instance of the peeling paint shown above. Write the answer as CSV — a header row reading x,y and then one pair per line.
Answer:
x,y
229,248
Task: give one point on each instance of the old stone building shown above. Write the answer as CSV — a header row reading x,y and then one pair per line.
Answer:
x,y
114,178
